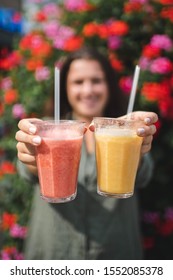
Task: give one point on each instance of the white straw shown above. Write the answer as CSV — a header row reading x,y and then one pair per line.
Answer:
x,y
133,90
57,94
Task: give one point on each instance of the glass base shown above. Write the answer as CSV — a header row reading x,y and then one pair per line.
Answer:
x,y
58,199
115,195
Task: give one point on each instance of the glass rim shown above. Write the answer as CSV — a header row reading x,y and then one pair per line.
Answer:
x,y
119,119
53,122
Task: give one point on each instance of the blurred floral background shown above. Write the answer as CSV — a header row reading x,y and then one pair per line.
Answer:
x,y
129,32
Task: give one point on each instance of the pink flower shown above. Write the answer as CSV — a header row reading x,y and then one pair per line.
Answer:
x,y
73,5
42,73
59,63
5,256
150,217
51,9
18,111
114,42
36,41
162,42
11,253
161,65
65,31
125,84
144,63
139,1
18,231
19,256
6,83
59,43
169,213
51,29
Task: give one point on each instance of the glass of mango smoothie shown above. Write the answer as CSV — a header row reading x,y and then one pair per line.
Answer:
x,y
58,158
117,155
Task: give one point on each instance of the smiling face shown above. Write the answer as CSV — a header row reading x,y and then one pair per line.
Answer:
x,y
87,89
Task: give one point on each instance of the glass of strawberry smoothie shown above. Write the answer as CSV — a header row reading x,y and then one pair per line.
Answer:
x,y
58,158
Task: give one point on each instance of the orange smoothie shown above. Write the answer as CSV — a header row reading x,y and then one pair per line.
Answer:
x,y
58,162
117,155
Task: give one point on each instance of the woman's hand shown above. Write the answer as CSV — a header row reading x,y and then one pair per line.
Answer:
x,y
146,131
27,140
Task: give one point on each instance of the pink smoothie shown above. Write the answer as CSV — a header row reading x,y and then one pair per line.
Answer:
x,y
58,164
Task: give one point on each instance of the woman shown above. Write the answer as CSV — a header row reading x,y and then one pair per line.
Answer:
x,y
91,226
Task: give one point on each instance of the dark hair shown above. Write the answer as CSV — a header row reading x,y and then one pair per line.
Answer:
x,y
116,105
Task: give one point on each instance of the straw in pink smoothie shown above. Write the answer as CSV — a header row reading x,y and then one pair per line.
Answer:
x,y
57,94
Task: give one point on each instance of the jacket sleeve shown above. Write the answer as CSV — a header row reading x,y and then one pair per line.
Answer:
x,y
145,171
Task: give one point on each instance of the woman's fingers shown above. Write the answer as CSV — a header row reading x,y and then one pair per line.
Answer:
x,y
27,158
27,138
26,125
27,132
26,153
146,130
146,144
147,117
25,148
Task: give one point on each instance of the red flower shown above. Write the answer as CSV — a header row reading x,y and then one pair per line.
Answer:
x,y
10,61
116,63
26,41
118,27
4,52
167,13
2,152
36,45
171,82
9,250
15,58
7,167
10,96
132,7
17,17
33,63
90,29
73,43
125,84
158,125
8,220
148,242
102,31
150,51
165,107
40,16
43,50
166,228
165,2
87,7
155,91
1,109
